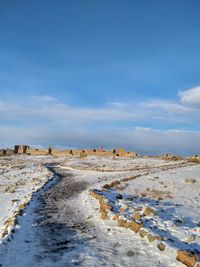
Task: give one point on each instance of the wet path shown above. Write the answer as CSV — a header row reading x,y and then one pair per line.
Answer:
x,y
60,222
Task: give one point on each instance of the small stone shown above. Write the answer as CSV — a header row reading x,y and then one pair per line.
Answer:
x,y
138,209
104,215
116,244
191,239
121,222
104,206
127,224
130,253
115,217
136,226
5,233
22,206
137,216
119,187
152,238
161,246
190,180
149,211
122,210
15,200
143,233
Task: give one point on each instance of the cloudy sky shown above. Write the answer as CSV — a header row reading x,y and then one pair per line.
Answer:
x,y
110,72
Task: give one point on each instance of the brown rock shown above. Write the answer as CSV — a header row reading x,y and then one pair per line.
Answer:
x,y
4,234
191,239
114,183
104,215
137,216
143,233
161,246
187,258
96,195
119,187
122,222
106,186
127,225
138,209
115,217
149,211
190,180
122,210
152,238
11,222
22,206
136,226
104,206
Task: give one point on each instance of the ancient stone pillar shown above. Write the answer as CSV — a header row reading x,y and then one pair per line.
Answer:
x,y
49,150
16,149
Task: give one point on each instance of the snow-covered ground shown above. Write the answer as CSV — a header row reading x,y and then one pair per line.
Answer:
x,y
20,176
170,188
109,164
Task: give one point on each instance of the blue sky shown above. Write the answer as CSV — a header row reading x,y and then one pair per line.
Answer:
x,y
91,73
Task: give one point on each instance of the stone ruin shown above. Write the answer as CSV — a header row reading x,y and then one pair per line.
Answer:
x,y
83,154
21,149
24,149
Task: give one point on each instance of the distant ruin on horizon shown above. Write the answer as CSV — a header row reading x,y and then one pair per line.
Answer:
x,y
25,149
82,153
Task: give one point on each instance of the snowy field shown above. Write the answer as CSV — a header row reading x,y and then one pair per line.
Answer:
x,y
161,198
19,178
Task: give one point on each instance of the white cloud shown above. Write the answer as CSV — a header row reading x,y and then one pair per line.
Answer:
x,y
170,107
47,121
190,97
51,109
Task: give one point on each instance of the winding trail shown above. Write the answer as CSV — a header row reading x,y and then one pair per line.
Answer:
x,y
49,227
56,232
